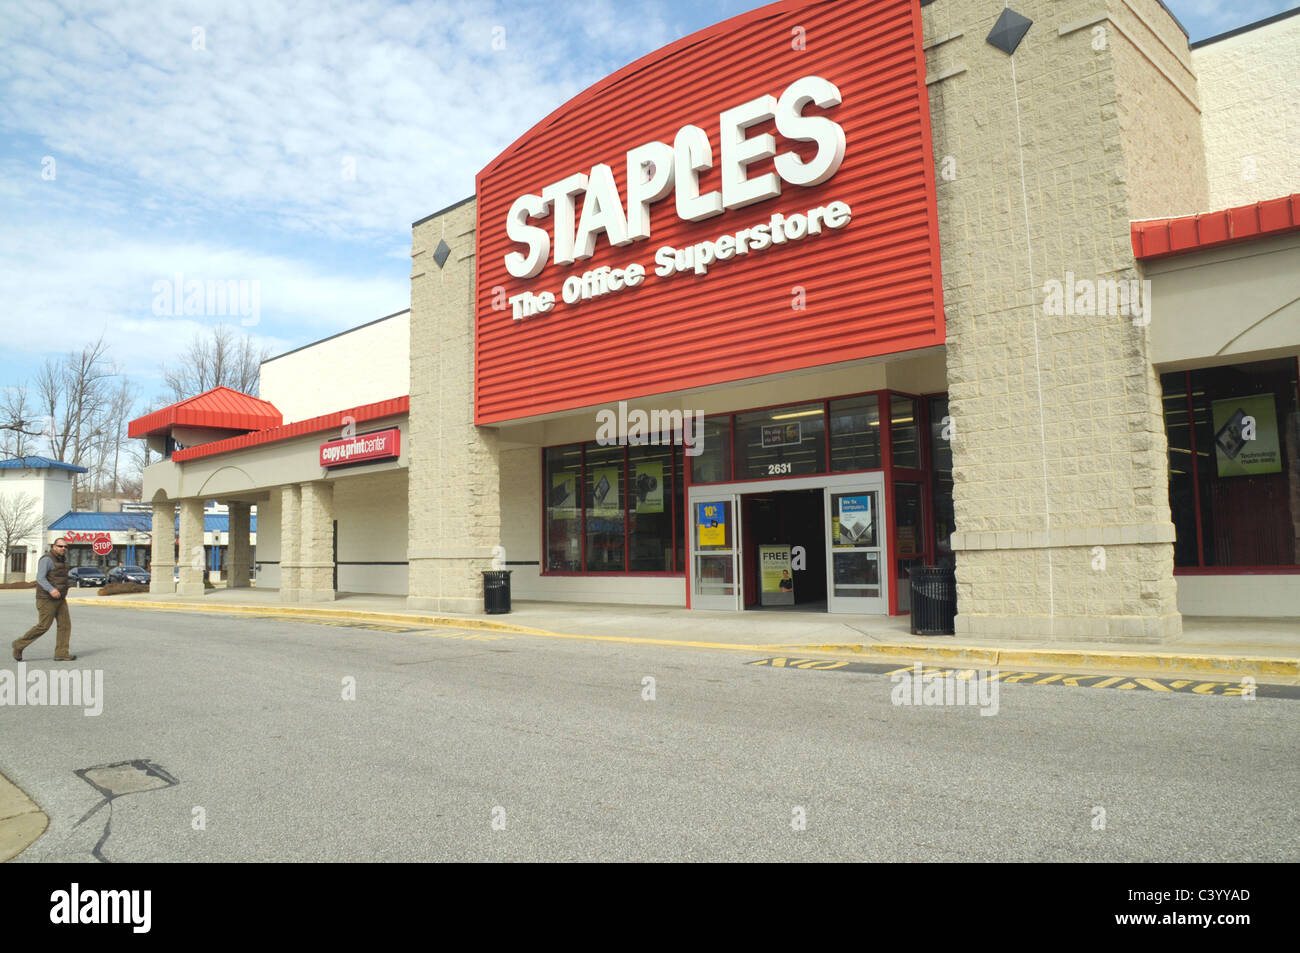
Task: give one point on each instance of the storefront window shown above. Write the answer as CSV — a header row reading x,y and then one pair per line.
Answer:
x,y
604,493
622,504
1232,470
904,432
855,433
713,463
945,522
18,559
563,512
650,509
1182,464
785,441
909,525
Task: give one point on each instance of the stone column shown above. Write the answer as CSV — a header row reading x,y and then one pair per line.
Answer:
x,y
193,557
454,485
290,542
239,550
1059,457
163,557
316,565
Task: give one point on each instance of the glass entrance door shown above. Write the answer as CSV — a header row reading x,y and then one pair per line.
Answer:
x,y
856,547
715,543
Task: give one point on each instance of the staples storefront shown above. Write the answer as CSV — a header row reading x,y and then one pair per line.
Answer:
x,y
693,343
714,324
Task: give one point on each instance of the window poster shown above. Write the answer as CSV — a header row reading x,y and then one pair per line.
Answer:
x,y
711,521
776,586
563,499
1245,436
782,435
604,491
648,487
854,521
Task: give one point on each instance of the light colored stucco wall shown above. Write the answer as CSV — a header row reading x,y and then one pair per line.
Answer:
x,y
372,517
1251,113
362,366
1227,305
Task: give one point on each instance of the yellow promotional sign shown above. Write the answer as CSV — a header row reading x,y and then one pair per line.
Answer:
x,y
711,519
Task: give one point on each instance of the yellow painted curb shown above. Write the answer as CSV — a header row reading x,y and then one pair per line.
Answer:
x,y
21,820
1107,660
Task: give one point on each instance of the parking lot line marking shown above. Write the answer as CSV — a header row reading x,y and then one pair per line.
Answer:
x,y
1184,686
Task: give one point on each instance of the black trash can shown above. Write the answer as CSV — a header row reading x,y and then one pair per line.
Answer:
x,y
934,600
496,591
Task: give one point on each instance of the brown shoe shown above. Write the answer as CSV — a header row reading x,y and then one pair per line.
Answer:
x,y
18,656
65,658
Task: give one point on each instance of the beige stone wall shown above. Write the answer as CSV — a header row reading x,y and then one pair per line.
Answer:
x,y
162,557
1251,113
1158,108
192,556
454,492
1059,454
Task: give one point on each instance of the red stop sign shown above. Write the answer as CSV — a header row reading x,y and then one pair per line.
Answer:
x,y
102,547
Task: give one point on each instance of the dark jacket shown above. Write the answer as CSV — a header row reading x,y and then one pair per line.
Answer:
x,y
56,574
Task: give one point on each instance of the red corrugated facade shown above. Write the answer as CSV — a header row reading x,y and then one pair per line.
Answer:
x,y
871,288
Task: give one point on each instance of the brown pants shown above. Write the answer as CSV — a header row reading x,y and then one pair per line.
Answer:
x,y
49,611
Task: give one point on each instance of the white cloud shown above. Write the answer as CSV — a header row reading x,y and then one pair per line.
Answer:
x,y
264,115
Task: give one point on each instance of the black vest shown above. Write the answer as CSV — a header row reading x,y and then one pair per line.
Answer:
x,y
57,577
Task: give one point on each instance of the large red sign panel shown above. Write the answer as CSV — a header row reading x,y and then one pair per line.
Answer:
x,y
755,198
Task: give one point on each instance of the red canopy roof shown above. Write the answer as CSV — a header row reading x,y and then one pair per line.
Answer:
x,y
1160,237
220,408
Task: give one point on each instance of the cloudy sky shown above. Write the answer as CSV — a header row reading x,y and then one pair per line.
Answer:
x,y
283,143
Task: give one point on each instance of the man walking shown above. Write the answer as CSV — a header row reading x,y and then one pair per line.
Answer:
x,y
51,603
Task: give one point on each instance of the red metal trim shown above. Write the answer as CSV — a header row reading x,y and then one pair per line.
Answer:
x,y
886,409
1196,468
380,409
687,472
1162,237
582,506
627,510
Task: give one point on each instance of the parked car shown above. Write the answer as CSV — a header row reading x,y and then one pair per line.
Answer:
x,y
129,574
83,576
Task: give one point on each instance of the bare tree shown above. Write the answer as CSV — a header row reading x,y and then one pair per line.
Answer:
x,y
71,393
219,358
20,519
20,422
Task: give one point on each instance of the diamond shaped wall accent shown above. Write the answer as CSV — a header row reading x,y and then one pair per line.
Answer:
x,y
1009,31
441,253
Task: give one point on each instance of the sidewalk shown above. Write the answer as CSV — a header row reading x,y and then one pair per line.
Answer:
x,y
1225,647
21,821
